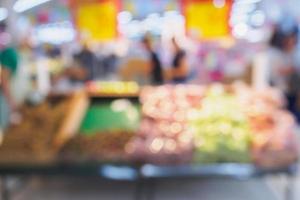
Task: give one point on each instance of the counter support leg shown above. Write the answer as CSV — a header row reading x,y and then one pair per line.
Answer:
x,y
289,188
138,193
151,189
145,190
5,192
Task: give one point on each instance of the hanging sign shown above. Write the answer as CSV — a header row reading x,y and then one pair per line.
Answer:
x,y
207,19
96,18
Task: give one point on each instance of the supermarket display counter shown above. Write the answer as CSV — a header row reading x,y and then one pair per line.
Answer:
x,y
144,136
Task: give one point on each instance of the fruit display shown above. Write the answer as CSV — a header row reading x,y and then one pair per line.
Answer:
x,y
32,140
164,136
112,88
172,124
221,130
106,128
170,102
104,146
274,142
238,124
215,123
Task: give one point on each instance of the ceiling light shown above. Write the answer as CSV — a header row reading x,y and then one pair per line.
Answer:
x,y
124,17
56,33
246,8
258,18
23,5
3,14
240,30
247,1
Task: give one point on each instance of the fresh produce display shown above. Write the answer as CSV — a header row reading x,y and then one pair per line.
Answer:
x,y
274,144
175,124
112,88
170,102
212,124
164,137
273,140
221,129
104,146
32,140
111,114
107,126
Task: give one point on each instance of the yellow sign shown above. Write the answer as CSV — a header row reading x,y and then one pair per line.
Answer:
x,y
98,20
206,20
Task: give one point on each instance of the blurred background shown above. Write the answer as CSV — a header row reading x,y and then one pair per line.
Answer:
x,y
222,39
93,81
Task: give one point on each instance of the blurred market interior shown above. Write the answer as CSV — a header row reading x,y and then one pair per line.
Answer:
x,y
179,84
222,39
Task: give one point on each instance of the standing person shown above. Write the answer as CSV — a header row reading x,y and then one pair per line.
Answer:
x,y
155,64
8,68
81,71
279,65
86,61
179,70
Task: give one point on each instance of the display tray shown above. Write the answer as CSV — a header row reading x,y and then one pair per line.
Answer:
x,y
43,129
111,113
107,126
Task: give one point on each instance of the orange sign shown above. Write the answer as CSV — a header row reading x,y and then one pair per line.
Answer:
x,y
97,19
207,20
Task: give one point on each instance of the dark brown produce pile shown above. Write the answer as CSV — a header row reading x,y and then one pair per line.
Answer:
x,y
32,140
106,146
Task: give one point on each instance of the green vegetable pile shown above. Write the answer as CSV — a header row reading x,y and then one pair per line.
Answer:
x,y
221,129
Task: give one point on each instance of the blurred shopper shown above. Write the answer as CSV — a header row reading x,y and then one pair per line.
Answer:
x,y
179,71
73,77
86,62
8,68
155,64
279,66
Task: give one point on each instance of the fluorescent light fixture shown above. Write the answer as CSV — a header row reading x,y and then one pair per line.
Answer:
x,y
245,8
23,5
239,17
256,35
247,1
258,18
154,16
124,17
234,21
3,14
240,30
56,33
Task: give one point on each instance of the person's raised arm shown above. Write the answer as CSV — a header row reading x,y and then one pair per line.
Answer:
x,y
182,69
